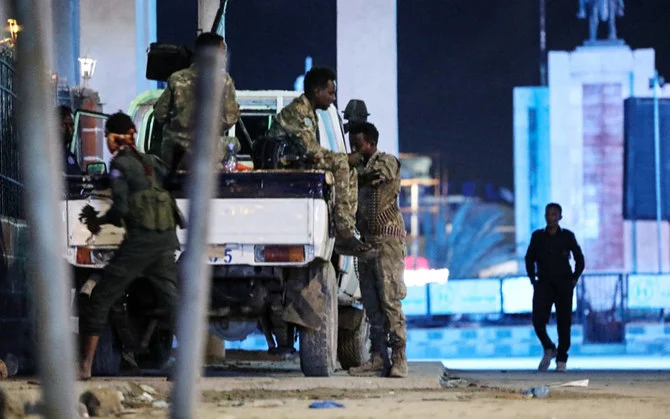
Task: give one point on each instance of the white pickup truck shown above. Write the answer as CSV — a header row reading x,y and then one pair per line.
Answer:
x,y
270,233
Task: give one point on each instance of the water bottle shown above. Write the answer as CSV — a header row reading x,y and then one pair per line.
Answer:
x,y
537,392
230,161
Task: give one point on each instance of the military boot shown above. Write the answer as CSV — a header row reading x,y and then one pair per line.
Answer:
x,y
374,367
399,368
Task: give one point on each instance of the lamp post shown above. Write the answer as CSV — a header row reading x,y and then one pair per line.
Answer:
x,y
87,68
655,83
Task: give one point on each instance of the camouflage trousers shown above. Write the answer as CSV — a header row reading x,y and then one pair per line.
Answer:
x,y
382,288
346,191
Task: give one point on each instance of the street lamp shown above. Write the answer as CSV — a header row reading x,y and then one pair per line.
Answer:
x,y
14,29
655,83
87,68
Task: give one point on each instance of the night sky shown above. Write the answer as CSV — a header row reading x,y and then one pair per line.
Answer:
x,y
458,62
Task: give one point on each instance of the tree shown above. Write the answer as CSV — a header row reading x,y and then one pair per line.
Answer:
x,y
468,242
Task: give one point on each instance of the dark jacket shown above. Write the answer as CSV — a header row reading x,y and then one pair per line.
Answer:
x,y
548,255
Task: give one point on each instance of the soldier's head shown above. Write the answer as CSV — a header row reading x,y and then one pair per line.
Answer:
x,y
209,40
553,213
320,87
119,131
66,123
363,138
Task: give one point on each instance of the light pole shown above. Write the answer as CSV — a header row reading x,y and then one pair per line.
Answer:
x,y
655,83
543,42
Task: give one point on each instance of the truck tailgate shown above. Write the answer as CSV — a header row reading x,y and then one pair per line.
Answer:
x,y
257,221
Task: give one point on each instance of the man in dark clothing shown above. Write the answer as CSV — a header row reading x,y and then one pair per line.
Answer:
x,y
550,273
66,132
145,208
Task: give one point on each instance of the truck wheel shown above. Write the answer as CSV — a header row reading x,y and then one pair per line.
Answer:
x,y
160,349
107,360
353,343
318,348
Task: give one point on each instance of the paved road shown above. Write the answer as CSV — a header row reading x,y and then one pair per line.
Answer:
x,y
274,389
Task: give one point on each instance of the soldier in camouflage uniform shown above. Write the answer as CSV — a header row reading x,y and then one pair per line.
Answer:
x,y
381,224
150,217
299,119
175,108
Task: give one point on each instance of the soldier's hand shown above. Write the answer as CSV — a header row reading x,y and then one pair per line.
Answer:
x,y
89,216
355,159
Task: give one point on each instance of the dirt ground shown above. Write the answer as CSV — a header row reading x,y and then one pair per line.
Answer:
x,y
275,389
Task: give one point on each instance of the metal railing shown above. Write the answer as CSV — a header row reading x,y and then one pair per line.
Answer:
x,y
604,303
11,184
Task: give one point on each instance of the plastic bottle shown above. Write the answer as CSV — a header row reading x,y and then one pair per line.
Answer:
x,y
537,392
230,161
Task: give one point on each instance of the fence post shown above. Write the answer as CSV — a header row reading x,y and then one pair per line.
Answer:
x,y
195,272
42,167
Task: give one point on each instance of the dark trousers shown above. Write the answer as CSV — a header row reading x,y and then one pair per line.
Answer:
x,y
149,254
547,292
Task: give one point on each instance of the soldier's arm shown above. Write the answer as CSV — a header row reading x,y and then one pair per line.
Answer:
x,y
384,169
231,109
302,125
119,186
162,106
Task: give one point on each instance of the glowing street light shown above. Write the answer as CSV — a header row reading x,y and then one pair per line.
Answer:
x,y
87,68
14,29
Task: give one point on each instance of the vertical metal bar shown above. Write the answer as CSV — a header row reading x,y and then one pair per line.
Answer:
x,y
43,171
195,272
414,221
543,42
657,164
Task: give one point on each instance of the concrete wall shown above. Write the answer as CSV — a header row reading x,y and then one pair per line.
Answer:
x,y
367,63
587,88
117,34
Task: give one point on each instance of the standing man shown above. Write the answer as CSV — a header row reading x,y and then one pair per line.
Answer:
x,y
175,108
67,132
148,212
299,119
381,224
550,273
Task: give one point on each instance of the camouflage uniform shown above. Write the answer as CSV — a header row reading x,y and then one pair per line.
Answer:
x,y
381,280
143,252
299,119
175,110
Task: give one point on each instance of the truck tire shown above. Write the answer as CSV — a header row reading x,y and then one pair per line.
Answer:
x,y
353,343
318,348
160,349
107,360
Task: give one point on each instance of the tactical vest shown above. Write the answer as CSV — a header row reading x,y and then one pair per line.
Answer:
x,y
152,208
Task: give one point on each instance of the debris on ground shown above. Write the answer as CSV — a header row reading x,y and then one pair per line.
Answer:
x,y
448,380
536,392
577,383
326,404
103,401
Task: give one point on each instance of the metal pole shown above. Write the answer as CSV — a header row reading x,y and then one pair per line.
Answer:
x,y
543,42
195,272
657,164
43,171
414,221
